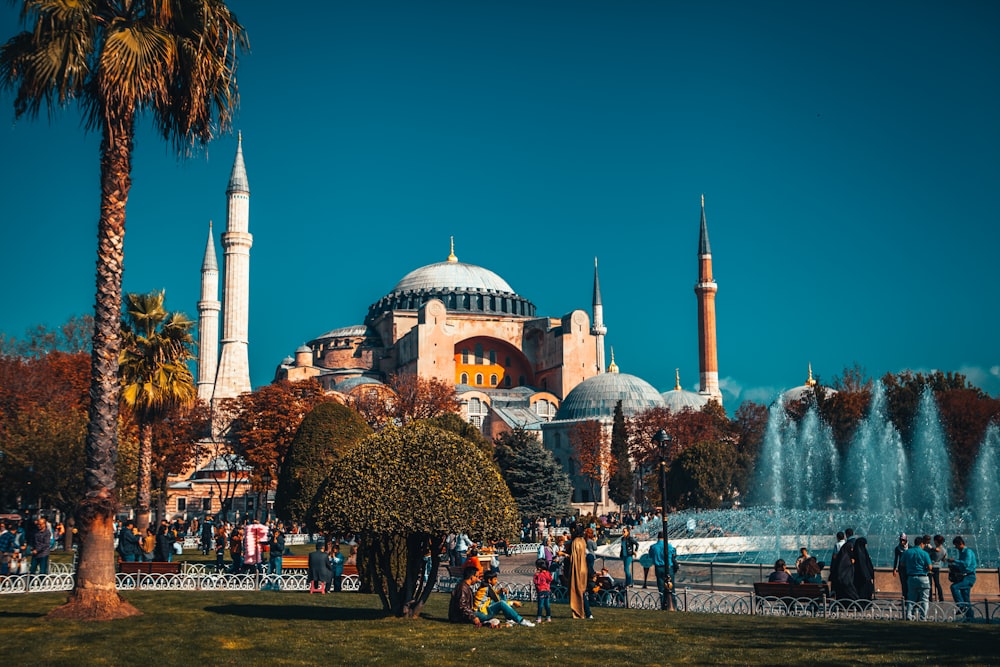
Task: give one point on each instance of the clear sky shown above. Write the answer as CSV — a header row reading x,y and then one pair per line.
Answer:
x,y
849,154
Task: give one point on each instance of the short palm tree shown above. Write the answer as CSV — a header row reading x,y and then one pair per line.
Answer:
x,y
156,346
176,60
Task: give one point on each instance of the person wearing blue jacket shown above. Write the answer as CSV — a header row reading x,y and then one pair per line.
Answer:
x,y
965,566
918,567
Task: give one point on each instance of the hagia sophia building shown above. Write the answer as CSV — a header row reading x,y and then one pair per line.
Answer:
x,y
459,323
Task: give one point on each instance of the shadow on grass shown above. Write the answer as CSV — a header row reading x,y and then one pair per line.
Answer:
x,y
20,614
297,612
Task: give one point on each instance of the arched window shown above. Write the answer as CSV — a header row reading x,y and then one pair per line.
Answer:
x,y
479,378
464,379
506,382
493,380
493,357
479,353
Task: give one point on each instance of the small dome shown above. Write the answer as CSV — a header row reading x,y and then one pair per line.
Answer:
x,y
354,382
596,397
678,399
303,349
287,361
353,331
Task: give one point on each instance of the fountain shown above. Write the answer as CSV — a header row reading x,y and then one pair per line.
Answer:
x,y
805,493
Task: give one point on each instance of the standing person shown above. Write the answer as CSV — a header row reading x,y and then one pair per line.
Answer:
x,y
937,553
319,568
336,566
899,564
462,544
128,543
864,570
221,540
236,550
629,547
578,602
41,547
543,589
918,567
276,549
8,543
148,545
963,568
164,550
207,533
661,564
254,540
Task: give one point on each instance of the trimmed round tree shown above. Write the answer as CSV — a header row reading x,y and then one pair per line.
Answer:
x,y
401,491
326,434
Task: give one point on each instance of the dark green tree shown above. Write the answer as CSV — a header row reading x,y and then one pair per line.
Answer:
x,y
621,483
702,475
401,491
537,482
326,434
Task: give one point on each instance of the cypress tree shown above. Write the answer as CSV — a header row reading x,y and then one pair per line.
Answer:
x,y
621,483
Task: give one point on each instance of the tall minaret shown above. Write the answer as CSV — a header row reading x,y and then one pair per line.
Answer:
x,y
708,353
598,329
233,377
208,321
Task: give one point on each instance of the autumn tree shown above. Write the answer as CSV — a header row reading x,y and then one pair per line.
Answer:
x,y
176,444
847,406
265,421
537,482
409,398
593,456
72,336
327,433
748,426
401,491
622,482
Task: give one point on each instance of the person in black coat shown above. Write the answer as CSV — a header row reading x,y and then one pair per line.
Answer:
x,y
164,550
320,571
864,571
128,543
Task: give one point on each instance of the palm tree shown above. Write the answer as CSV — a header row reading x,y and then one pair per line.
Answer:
x,y
176,60
156,346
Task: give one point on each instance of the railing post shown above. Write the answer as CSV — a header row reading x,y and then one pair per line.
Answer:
x,y
711,577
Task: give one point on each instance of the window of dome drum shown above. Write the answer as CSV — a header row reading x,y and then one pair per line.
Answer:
x,y
479,378
464,378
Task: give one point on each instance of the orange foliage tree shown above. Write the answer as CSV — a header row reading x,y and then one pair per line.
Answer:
x,y
592,451
409,398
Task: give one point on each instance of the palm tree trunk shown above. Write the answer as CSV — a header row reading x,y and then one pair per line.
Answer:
x,y
94,596
144,483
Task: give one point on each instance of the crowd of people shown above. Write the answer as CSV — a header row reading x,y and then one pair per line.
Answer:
x,y
25,545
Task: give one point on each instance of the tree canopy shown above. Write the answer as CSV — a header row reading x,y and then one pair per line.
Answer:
x,y
327,433
401,491
535,479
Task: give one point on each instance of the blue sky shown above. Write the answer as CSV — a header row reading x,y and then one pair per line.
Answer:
x,y
849,154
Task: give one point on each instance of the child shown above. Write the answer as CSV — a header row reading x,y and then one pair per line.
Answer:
x,y
543,585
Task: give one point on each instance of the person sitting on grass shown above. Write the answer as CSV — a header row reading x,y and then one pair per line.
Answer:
x,y
461,608
491,600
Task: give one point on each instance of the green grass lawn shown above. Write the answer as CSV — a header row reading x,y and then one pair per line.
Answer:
x,y
270,628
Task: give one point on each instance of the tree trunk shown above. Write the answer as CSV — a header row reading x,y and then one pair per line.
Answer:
x,y
144,481
94,596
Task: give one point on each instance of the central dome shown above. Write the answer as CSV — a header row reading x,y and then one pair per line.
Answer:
x,y
452,276
461,287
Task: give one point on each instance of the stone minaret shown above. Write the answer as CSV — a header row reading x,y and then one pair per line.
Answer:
x,y
598,330
208,321
708,353
233,377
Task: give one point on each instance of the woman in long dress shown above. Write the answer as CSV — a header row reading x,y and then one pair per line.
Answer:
x,y
578,574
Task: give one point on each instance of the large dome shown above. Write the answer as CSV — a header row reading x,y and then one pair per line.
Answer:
x,y
596,397
453,275
461,287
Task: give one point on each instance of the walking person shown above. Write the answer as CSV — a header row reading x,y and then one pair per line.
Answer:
x,y
578,602
899,563
963,569
41,547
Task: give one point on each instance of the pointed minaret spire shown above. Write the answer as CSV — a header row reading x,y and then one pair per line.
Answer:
x,y
208,321
677,379
705,289
451,255
238,178
598,330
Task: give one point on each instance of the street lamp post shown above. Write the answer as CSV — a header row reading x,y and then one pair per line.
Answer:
x,y
662,440
266,479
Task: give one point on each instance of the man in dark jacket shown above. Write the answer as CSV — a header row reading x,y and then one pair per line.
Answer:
x,y
41,545
319,567
461,609
128,543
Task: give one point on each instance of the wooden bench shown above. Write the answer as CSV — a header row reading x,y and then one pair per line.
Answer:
x,y
302,563
149,567
775,589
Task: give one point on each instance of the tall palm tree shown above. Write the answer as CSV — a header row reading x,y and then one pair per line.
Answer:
x,y
176,60
156,346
